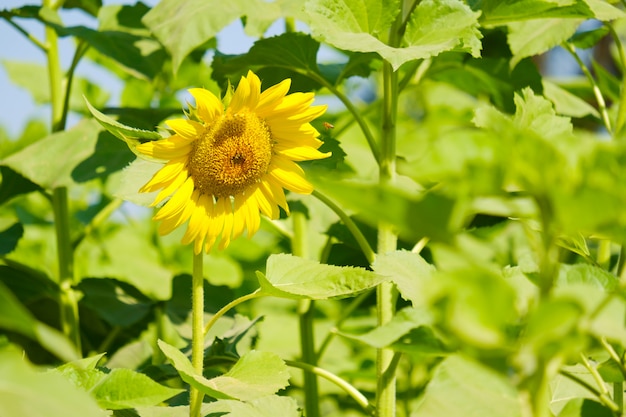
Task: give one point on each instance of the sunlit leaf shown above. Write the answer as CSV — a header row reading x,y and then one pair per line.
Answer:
x,y
118,389
534,37
408,271
51,161
255,375
297,278
15,317
489,394
25,390
269,406
132,136
362,27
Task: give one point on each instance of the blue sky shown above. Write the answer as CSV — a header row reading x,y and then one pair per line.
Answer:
x,y
16,105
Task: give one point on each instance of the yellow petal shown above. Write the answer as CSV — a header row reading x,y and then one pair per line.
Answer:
x,y
239,217
173,186
188,130
252,214
209,106
274,192
164,176
302,117
255,90
171,223
241,96
280,130
171,148
177,203
271,97
300,153
265,204
228,224
289,175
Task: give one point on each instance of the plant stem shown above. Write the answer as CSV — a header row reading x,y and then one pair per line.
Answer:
x,y
329,376
356,113
68,300
621,109
197,332
352,227
306,313
386,293
229,306
596,90
602,392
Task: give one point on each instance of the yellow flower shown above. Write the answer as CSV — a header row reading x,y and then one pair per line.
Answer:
x,y
233,163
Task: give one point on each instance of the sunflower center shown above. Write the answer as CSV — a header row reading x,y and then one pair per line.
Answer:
x,y
232,155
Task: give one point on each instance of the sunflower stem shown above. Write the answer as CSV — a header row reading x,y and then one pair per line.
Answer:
x,y
197,332
306,313
386,293
68,299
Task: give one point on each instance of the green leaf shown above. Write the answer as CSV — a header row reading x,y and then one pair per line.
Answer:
x,y
118,303
409,271
292,277
498,12
400,325
9,238
488,395
589,38
34,78
118,389
586,274
362,26
125,388
132,136
13,184
25,390
290,55
414,215
534,37
90,6
15,317
566,103
50,162
182,27
109,156
585,407
126,254
255,375
269,406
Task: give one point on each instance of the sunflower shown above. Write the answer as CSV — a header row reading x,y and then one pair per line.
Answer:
x,y
229,165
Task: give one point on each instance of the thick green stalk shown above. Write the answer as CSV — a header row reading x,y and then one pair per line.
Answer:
x,y
387,242
68,300
197,332
306,313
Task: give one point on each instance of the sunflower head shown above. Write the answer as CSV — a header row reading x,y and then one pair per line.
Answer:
x,y
225,166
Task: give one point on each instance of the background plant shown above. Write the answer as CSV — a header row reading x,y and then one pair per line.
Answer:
x,y
462,254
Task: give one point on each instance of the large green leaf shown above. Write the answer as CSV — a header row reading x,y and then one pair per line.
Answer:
x,y
34,78
414,215
498,12
118,389
488,395
400,325
297,278
15,317
132,136
26,391
183,26
363,25
409,271
269,406
13,184
255,375
534,37
50,162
